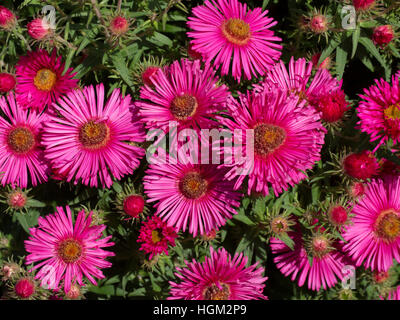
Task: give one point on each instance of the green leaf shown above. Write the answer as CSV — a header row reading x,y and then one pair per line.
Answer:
x,y
35,203
371,48
160,40
105,290
22,221
328,51
244,219
341,60
356,37
120,64
287,240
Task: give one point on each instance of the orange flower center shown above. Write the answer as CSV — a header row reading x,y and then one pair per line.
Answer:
x,y
94,135
267,138
45,79
215,293
69,250
193,186
236,31
183,107
393,111
387,225
21,140
156,236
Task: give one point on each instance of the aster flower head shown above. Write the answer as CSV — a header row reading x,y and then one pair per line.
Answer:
x,y
362,5
297,79
326,257
156,236
131,202
40,79
226,33
379,111
373,238
332,105
119,25
93,139
394,294
191,194
146,69
21,154
183,92
219,277
65,251
288,137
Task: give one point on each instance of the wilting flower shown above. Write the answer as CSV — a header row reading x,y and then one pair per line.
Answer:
x,y
332,105
327,260
92,139
379,112
67,251
119,25
373,238
288,137
183,92
40,80
156,236
191,194
220,277
238,39
20,152
7,82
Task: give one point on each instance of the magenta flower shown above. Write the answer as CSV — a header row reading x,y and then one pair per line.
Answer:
x,y
20,152
379,112
193,194
219,278
238,39
394,294
67,251
288,137
93,140
40,81
183,92
373,239
327,261
297,79
156,236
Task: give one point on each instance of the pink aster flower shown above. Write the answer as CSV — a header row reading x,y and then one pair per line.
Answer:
x,y
327,260
220,277
156,236
40,81
297,79
66,250
92,139
183,92
7,18
20,152
238,39
379,112
288,137
194,194
373,238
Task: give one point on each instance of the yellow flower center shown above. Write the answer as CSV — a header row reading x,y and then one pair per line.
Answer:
x,y
236,31
45,79
69,250
393,111
387,225
183,107
193,185
267,138
21,140
215,293
94,135
155,236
